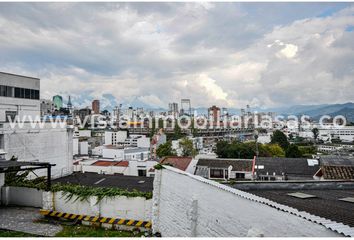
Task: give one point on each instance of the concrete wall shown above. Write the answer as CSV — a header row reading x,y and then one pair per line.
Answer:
x,y
131,170
47,144
137,208
102,169
83,148
117,154
185,205
20,196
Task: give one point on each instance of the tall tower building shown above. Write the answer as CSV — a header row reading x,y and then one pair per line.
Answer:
x,y
96,106
214,114
173,109
58,102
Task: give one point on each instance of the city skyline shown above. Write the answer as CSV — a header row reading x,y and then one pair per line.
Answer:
x,y
224,54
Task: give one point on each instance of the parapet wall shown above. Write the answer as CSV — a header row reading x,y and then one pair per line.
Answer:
x,y
137,208
185,205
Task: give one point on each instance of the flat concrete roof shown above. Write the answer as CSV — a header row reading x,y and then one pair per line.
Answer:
x,y
143,184
17,75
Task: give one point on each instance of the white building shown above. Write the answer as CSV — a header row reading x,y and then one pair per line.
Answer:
x,y
19,96
28,139
47,107
114,137
345,134
120,153
108,166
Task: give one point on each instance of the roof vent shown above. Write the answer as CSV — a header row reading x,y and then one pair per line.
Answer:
x,y
301,195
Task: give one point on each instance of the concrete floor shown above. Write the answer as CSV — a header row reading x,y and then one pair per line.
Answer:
x,y
22,219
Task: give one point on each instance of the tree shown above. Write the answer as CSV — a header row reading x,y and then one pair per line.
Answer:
x,y
315,132
293,151
307,150
221,149
188,149
280,138
275,150
177,133
165,150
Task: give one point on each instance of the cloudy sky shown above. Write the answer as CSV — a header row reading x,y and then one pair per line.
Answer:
x,y
228,54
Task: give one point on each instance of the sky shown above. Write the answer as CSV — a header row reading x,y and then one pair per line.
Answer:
x,y
150,54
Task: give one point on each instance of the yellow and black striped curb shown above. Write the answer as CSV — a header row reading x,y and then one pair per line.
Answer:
x,y
95,219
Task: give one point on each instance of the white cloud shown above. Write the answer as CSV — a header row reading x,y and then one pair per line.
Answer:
x,y
220,53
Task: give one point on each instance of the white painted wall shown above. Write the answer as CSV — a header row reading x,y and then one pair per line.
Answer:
x,y
112,138
75,146
186,206
84,133
131,170
103,169
136,208
47,144
84,148
97,151
20,196
113,153
143,142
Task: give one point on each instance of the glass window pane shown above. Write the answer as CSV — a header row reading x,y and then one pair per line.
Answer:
x,y
27,93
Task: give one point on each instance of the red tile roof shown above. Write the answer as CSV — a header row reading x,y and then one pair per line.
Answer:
x,y
181,163
111,163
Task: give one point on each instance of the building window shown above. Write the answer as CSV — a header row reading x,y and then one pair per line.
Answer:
x,y
141,173
6,91
240,176
216,173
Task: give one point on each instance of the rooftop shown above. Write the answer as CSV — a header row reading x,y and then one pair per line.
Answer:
x,y
136,150
103,163
237,164
17,75
334,160
181,163
143,184
329,204
292,167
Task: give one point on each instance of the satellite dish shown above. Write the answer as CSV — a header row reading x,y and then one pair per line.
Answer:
x,y
229,168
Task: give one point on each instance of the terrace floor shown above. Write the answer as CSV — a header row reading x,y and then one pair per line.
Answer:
x,y
23,219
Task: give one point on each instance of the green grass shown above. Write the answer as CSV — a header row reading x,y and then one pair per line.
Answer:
x,y
77,231
7,233
86,231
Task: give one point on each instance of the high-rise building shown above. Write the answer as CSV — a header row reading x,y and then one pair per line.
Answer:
x,y
186,108
214,114
173,109
58,102
69,105
96,106
47,107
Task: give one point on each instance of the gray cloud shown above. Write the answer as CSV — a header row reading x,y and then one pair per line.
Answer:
x,y
230,54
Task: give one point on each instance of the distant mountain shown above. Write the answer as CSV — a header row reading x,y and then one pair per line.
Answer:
x,y
316,111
